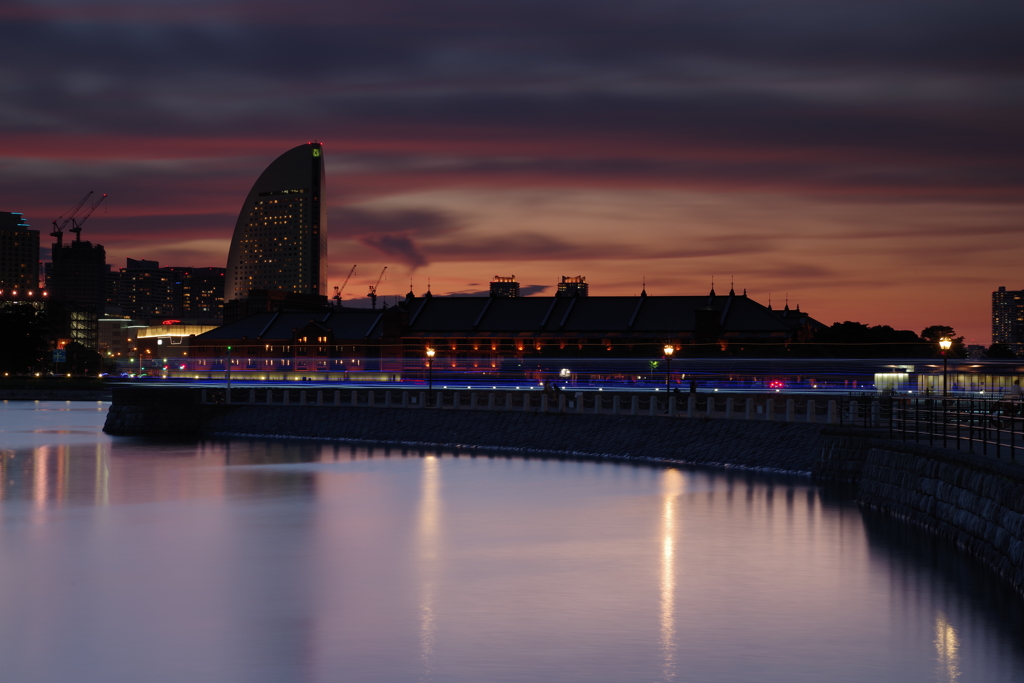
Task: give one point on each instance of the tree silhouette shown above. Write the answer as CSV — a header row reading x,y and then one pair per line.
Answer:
x,y
23,343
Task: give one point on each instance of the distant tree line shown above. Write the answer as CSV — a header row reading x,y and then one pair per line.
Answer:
x,y
857,340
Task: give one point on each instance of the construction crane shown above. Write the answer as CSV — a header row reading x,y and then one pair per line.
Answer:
x,y
373,289
76,225
58,230
339,290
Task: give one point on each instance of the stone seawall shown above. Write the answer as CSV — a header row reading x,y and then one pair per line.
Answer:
x,y
785,446
973,501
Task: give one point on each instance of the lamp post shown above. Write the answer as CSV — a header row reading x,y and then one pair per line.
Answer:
x,y
669,350
430,375
229,374
945,344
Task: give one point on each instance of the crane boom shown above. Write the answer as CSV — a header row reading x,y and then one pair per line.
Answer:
x,y
77,225
58,230
347,278
373,288
338,290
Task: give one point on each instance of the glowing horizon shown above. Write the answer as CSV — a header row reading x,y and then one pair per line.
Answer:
x,y
869,180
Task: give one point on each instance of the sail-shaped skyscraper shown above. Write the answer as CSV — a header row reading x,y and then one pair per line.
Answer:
x,y
280,239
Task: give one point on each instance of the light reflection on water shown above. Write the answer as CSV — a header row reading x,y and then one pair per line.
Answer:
x,y
123,559
672,488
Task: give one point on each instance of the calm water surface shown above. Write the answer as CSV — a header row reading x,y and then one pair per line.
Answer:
x,y
250,561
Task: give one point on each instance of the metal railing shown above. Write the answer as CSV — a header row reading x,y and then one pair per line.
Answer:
x,y
986,426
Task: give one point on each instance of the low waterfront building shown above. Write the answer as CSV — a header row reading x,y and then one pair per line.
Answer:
x,y
494,334
336,345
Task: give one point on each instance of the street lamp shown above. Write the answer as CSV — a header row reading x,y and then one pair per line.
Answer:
x,y
430,374
945,344
669,350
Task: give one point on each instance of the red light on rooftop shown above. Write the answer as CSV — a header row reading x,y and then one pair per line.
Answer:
x,y
170,322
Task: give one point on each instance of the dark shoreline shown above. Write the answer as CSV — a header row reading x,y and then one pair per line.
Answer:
x,y
56,395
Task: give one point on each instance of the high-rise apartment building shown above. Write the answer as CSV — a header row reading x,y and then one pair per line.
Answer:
x,y
79,274
575,285
280,238
78,291
19,254
199,292
1008,318
145,290
504,286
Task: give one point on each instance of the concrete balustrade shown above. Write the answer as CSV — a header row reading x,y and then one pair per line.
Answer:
x,y
765,408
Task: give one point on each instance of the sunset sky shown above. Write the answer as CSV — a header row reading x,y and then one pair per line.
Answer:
x,y
865,158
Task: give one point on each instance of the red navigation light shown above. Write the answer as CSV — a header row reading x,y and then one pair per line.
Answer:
x,y
170,322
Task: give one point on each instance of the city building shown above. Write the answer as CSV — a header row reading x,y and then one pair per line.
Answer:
x,y
79,274
802,324
280,238
606,326
1008,318
145,290
153,348
199,292
503,336
341,344
115,337
575,285
77,280
19,254
504,286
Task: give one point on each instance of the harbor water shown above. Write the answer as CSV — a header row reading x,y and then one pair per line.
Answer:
x,y
124,559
